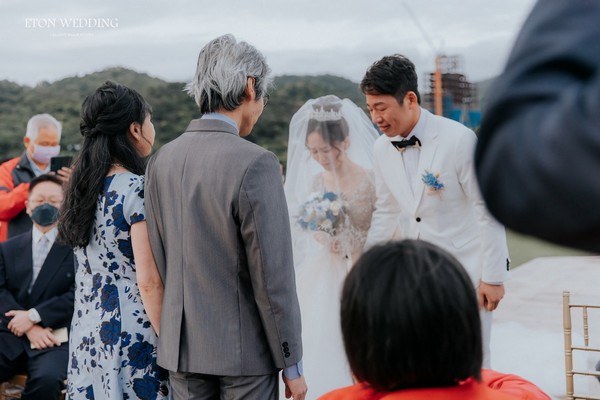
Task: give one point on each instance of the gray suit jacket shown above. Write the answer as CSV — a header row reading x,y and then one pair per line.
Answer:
x,y
219,229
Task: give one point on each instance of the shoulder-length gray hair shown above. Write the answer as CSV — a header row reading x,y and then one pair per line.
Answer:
x,y
224,66
40,121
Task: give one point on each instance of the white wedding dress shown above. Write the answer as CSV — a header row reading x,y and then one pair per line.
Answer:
x,y
320,274
322,261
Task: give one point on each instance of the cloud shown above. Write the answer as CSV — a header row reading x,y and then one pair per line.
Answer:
x,y
308,37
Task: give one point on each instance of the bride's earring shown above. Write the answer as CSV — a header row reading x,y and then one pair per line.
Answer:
x,y
346,144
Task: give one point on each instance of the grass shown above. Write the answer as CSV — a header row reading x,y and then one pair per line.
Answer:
x,y
524,248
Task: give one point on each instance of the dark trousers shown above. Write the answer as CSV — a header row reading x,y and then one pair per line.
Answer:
x,y
45,371
188,386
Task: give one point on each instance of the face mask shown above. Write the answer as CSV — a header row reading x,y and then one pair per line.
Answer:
x,y
44,215
43,154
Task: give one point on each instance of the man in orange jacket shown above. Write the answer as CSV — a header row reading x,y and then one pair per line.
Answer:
x,y
42,142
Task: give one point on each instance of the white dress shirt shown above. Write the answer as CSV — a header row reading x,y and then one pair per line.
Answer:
x,y
411,154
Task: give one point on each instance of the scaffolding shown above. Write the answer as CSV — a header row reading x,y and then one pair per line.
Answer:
x,y
451,94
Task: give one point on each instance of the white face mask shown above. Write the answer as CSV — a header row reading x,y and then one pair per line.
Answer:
x,y
43,154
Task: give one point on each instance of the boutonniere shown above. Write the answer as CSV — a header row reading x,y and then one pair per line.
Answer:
x,y
433,183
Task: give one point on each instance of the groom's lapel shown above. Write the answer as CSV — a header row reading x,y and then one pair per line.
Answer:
x,y
396,177
430,144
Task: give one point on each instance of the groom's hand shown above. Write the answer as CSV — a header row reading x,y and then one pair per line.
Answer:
x,y
489,296
295,388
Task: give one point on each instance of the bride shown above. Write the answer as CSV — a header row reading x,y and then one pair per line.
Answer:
x,y
331,195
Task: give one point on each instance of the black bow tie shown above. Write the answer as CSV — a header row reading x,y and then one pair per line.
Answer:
x,y
401,145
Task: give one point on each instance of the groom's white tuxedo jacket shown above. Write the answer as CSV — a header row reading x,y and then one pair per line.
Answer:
x,y
455,217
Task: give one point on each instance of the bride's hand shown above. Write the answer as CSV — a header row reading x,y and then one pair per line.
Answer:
x,y
322,238
335,245
331,242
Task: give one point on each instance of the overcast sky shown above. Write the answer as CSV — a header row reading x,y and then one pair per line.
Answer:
x,y
298,37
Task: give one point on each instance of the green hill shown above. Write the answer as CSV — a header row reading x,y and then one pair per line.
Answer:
x,y
172,107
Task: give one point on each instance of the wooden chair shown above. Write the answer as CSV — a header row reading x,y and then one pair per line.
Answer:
x,y
569,347
12,389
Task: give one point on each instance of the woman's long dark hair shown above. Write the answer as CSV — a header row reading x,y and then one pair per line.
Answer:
x,y
106,116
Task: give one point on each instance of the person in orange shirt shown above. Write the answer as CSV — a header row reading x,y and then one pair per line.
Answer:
x,y
42,142
411,329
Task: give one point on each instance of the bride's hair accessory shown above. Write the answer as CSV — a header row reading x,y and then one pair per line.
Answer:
x,y
326,108
322,115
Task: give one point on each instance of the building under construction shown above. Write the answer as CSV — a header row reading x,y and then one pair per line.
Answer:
x,y
450,94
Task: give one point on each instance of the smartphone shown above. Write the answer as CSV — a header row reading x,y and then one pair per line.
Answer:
x,y
57,163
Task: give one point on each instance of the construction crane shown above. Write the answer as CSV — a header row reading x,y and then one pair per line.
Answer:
x,y
450,93
437,75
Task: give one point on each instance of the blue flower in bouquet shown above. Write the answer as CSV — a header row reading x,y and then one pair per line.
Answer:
x,y
433,183
322,212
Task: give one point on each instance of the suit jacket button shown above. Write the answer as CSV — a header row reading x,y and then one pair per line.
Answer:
x,y
287,354
418,219
284,344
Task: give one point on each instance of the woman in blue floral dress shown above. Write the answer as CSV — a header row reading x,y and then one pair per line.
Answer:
x,y
118,293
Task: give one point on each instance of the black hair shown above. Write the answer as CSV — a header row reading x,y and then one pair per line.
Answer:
x,y
331,130
392,75
410,318
44,178
106,116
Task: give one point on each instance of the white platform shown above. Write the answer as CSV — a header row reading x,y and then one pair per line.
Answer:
x,y
527,333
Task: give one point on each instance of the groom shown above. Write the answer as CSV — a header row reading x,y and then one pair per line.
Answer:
x,y
425,183
219,228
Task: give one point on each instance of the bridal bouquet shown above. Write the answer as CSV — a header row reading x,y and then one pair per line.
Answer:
x,y
322,212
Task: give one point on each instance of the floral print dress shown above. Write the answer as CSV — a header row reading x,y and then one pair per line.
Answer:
x,y
112,344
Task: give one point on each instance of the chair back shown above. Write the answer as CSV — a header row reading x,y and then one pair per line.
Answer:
x,y
13,388
570,347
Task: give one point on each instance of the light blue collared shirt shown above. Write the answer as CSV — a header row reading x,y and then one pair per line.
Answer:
x,y
221,117
37,171
294,372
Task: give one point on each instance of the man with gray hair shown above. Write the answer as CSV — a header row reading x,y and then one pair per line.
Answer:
x,y
219,229
42,142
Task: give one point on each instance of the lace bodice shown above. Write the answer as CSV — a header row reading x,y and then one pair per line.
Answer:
x,y
359,208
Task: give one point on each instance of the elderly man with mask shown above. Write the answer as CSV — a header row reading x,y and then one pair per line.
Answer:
x,y
42,142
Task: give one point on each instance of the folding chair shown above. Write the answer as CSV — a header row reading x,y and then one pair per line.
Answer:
x,y
13,388
569,347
